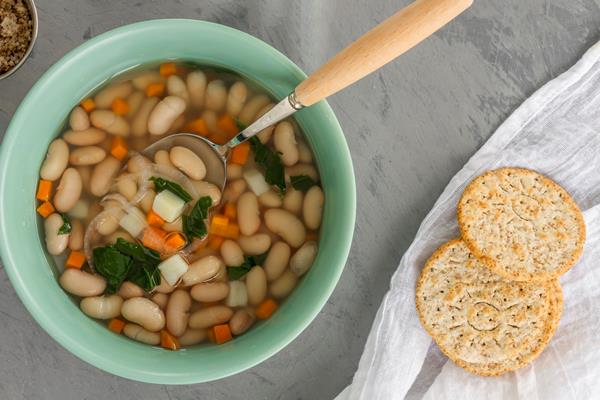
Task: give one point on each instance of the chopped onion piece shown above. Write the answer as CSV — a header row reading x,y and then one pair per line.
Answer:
x,y
168,205
134,221
256,181
173,268
238,295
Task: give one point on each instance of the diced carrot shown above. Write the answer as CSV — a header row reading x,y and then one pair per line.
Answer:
x,y
230,210
154,219
168,69
222,333
45,209
211,335
88,105
168,341
227,125
218,225
44,190
266,309
154,238
233,231
215,242
116,325
219,137
119,106
75,260
155,89
311,235
174,242
118,148
197,126
239,154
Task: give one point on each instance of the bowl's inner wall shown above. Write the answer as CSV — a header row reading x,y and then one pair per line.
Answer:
x,y
38,121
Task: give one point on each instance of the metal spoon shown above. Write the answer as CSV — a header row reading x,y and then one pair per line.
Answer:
x,y
388,40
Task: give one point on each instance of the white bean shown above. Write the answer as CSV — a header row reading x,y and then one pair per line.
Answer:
x,y
216,96
81,283
110,122
136,332
110,223
161,299
255,244
248,214
234,171
238,93
250,109
134,101
210,316
88,155
284,141
196,86
256,282
85,137
208,189
175,226
178,312
302,169
241,321
56,160
102,307
270,199
144,79
55,243
161,157
130,290
139,123
103,175
68,190
292,201
76,235
188,162
137,163
303,259
283,285
210,118
304,153
265,134
106,96
176,87
177,125
192,336
312,208
127,187
210,291
233,190
144,312
79,120
202,270
164,114
232,253
85,172
277,260
286,225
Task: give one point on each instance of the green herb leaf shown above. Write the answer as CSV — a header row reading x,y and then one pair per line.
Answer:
x,y
270,161
66,226
235,273
240,125
161,184
112,265
302,182
193,224
127,261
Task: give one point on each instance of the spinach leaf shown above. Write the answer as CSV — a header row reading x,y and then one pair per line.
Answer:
x,y
66,226
302,182
236,273
112,265
193,224
270,161
161,184
127,261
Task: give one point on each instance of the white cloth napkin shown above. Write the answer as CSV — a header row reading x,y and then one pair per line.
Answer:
x,y
556,132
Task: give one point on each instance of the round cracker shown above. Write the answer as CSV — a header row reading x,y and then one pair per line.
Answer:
x,y
483,322
521,224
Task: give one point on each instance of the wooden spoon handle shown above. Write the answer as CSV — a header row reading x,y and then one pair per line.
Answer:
x,y
399,33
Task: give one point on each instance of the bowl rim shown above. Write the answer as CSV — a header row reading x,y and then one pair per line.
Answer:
x,y
53,328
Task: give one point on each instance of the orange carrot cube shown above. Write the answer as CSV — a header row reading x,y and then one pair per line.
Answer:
x,y
154,219
173,242
168,69
45,209
240,153
88,105
266,309
76,259
218,225
233,231
215,242
116,325
118,148
221,333
168,341
155,89
44,190
230,211
197,126
154,238
119,106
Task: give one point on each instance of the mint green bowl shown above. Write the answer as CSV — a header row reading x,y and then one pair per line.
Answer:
x,y
37,122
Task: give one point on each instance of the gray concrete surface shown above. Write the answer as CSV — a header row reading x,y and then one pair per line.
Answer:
x,y
410,127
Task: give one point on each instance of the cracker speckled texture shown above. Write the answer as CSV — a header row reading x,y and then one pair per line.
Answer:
x,y
483,322
521,224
